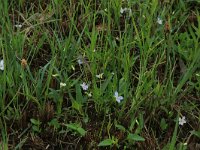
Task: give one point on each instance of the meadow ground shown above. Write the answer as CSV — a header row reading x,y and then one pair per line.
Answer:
x,y
100,74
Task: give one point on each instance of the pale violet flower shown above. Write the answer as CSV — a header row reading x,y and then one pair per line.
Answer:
x,y
159,21
2,65
62,84
117,97
80,61
84,86
181,120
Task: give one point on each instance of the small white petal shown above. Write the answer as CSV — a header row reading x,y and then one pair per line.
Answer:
x,y
182,120
72,67
90,94
121,10
117,97
18,25
84,86
55,75
100,76
159,20
62,84
116,94
118,100
2,65
117,38
80,61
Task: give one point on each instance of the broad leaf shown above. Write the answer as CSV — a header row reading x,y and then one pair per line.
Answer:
x,y
135,137
106,142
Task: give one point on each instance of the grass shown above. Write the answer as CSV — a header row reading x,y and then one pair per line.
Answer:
x,y
50,48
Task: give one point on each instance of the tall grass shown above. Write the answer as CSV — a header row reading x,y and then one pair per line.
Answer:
x,y
153,66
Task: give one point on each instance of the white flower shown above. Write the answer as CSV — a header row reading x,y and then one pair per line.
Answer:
x,y
18,25
62,84
84,86
80,61
181,120
100,76
88,94
118,98
2,65
159,20
122,10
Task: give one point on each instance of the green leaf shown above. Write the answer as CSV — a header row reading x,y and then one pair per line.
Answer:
x,y
81,131
53,94
105,84
163,124
141,120
106,142
54,122
196,133
120,127
79,96
36,128
135,137
174,137
72,126
77,128
77,106
35,122
122,85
